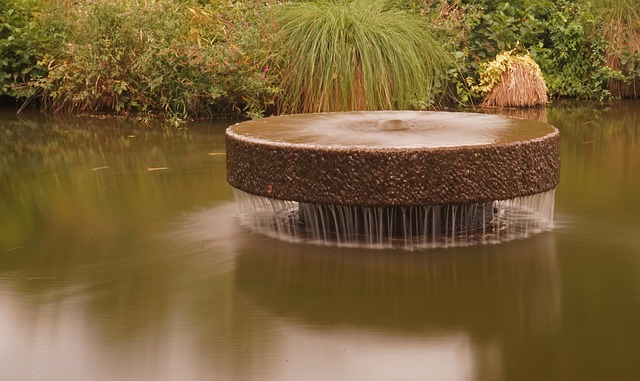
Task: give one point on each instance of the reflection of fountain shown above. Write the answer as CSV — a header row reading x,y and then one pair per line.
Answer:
x,y
492,298
394,179
470,288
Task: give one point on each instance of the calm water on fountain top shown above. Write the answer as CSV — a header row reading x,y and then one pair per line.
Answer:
x,y
392,129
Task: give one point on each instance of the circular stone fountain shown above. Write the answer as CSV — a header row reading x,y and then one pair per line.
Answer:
x,y
394,178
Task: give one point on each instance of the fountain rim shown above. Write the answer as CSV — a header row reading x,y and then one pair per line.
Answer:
x,y
369,175
255,136
343,147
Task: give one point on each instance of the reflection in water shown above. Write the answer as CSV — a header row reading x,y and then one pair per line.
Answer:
x,y
343,354
601,185
124,273
482,296
94,176
159,309
400,291
601,161
89,290
192,301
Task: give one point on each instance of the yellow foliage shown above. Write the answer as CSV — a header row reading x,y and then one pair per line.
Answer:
x,y
512,80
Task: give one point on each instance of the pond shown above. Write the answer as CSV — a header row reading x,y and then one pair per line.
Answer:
x,y
121,259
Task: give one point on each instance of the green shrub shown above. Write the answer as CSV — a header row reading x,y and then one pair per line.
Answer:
x,y
558,34
157,56
574,57
19,37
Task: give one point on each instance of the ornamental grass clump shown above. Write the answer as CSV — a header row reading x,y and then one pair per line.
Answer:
x,y
619,21
512,80
356,55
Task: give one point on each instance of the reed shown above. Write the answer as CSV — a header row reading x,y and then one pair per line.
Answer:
x,y
356,55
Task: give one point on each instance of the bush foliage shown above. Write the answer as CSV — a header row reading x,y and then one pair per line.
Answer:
x,y
561,37
202,58
19,39
173,57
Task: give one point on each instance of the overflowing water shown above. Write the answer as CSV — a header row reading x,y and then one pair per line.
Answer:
x,y
408,227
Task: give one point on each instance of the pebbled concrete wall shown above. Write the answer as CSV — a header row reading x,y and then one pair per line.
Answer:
x,y
393,176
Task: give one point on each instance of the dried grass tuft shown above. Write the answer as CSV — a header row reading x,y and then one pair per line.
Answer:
x,y
511,80
521,85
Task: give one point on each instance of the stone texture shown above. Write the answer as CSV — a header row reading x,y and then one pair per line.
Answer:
x,y
393,176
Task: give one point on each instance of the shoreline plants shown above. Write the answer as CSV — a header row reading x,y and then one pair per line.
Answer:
x,y
187,59
175,58
620,27
20,38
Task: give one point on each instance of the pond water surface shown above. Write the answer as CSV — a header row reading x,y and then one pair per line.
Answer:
x,y
121,259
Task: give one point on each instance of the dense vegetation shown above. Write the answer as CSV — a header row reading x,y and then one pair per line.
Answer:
x,y
202,58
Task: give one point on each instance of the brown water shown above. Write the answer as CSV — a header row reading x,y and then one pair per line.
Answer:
x,y
120,259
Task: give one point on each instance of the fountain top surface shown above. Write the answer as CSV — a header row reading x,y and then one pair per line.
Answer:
x,y
389,130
